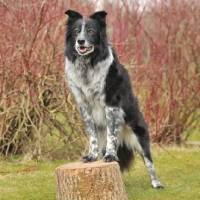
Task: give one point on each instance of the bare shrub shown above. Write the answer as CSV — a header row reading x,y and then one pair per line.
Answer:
x,y
159,44
36,108
172,52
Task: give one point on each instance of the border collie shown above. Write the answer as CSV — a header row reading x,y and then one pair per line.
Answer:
x,y
102,89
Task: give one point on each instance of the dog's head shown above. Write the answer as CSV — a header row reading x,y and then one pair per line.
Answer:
x,y
85,35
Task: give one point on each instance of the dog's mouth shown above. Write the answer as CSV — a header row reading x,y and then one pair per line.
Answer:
x,y
85,50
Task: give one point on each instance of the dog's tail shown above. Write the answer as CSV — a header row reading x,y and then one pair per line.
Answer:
x,y
126,156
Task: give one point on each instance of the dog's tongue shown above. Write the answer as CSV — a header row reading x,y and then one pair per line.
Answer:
x,y
84,49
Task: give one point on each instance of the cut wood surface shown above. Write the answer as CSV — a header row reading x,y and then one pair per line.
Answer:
x,y
90,181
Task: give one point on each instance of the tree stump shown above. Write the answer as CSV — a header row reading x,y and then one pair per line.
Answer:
x,y
89,181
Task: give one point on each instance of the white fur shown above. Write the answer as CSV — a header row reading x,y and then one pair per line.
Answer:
x,y
129,138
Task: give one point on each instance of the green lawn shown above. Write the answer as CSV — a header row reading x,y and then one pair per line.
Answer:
x,y
178,170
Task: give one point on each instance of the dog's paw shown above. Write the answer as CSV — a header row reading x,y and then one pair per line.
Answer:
x,y
89,158
110,158
157,185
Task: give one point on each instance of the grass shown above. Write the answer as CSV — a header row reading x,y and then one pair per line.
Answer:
x,y
31,181
177,169
193,137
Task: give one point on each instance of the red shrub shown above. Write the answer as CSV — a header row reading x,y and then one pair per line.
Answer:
x,y
159,44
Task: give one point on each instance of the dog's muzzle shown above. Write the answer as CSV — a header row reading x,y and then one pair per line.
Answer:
x,y
83,47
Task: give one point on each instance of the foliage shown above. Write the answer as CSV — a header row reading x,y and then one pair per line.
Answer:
x,y
159,44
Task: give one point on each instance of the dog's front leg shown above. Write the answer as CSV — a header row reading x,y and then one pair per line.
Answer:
x,y
114,120
86,112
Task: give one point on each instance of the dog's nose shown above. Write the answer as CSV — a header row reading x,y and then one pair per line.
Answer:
x,y
81,41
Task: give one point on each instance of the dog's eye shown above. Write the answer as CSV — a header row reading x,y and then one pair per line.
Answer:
x,y
76,31
90,32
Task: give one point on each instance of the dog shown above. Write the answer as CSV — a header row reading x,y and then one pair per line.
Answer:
x,y
103,92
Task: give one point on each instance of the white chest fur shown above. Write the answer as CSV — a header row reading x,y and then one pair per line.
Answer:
x,y
90,81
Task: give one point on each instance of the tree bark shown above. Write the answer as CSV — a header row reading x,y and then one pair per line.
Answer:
x,y
90,181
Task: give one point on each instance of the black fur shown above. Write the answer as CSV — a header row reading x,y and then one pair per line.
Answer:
x,y
126,157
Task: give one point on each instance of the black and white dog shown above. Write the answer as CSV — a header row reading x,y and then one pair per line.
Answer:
x,y
103,92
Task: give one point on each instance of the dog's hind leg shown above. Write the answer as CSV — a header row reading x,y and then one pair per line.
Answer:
x,y
143,148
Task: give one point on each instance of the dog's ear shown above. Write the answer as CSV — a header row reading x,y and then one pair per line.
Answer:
x,y
73,16
100,16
